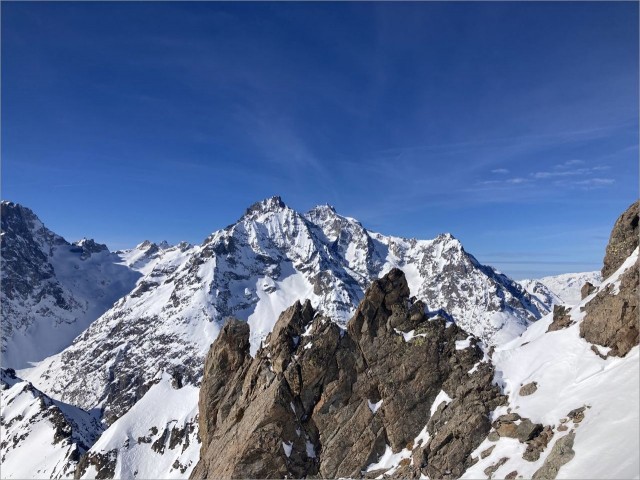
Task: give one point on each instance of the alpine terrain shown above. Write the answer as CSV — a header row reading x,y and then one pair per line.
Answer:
x,y
304,345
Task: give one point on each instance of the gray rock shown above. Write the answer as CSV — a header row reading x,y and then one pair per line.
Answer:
x,y
489,471
528,389
561,453
487,452
536,445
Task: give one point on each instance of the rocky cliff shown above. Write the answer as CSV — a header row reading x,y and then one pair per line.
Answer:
x,y
611,318
318,400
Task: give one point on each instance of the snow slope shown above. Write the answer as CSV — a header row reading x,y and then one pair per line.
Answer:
x,y
569,375
157,438
41,438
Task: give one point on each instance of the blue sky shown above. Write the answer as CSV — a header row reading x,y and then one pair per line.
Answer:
x,y
513,126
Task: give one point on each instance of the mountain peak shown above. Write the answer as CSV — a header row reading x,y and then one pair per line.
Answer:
x,y
271,204
321,213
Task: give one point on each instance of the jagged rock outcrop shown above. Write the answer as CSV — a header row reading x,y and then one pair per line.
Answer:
x,y
623,240
319,400
611,318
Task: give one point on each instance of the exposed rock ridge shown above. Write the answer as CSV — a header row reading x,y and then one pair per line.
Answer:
x,y
320,401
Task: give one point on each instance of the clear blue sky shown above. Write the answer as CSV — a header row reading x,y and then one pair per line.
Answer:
x,y
513,126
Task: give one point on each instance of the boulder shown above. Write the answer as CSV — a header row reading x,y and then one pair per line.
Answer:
x,y
528,389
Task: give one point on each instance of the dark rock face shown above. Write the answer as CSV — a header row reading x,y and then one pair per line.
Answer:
x,y
623,240
319,401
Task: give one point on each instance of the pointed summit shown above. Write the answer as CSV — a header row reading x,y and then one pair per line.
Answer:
x,y
272,204
321,213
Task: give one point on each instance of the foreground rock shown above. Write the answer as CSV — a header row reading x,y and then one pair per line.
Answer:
x,y
623,240
319,401
611,318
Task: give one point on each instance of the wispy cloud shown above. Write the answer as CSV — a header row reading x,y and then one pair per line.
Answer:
x,y
500,171
570,173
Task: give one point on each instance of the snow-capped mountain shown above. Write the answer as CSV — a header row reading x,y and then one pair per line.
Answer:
x,y
559,401
41,437
51,289
253,270
561,289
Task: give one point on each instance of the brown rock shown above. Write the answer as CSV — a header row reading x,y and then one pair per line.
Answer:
x,y
525,430
611,318
623,240
250,408
511,475
577,415
561,318
586,290
536,445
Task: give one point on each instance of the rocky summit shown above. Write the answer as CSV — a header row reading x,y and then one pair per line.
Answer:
x,y
318,400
